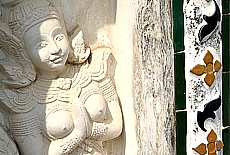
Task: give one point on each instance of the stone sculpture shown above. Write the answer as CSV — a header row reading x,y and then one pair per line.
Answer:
x,y
56,99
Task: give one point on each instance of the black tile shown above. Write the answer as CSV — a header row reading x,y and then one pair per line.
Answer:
x,y
180,88
181,131
225,43
178,28
225,6
225,98
226,139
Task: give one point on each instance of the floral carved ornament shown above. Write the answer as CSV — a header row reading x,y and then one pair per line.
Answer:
x,y
209,68
213,145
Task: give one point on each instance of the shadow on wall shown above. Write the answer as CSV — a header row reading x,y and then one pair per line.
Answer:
x,y
93,17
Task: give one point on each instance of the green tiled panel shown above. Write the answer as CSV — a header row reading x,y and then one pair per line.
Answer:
x,y
180,80
226,42
225,98
181,130
178,22
225,6
226,139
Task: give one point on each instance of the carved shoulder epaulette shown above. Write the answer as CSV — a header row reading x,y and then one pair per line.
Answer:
x,y
17,100
102,64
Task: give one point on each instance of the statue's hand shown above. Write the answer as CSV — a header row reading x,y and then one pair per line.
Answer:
x,y
80,53
55,148
66,145
82,120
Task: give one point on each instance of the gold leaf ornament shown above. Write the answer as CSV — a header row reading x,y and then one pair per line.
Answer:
x,y
212,136
208,58
217,66
209,79
211,148
208,68
198,70
213,145
201,149
219,145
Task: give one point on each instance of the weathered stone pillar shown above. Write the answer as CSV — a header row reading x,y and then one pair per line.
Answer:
x,y
154,79
145,76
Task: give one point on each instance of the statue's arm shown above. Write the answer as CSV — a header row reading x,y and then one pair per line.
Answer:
x,y
82,125
67,144
103,67
35,144
28,138
112,124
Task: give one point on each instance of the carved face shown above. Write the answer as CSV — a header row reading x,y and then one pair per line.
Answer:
x,y
47,45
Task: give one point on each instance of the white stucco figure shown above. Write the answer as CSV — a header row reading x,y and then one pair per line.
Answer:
x,y
57,96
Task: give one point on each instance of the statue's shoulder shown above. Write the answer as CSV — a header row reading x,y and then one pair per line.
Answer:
x,y
102,64
16,69
17,100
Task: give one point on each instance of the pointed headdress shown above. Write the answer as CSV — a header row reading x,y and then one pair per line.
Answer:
x,y
24,14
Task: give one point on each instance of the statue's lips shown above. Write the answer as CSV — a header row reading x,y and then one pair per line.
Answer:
x,y
57,59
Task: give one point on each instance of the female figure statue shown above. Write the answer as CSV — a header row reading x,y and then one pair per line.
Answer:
x,y
58,99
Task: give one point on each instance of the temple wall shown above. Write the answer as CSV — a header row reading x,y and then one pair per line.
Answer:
x,y
139,35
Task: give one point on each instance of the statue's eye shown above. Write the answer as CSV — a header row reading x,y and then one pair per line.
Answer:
x,y
43,44
59,37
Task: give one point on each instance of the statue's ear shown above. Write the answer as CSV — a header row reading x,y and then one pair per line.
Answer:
x,y
79,52
16,69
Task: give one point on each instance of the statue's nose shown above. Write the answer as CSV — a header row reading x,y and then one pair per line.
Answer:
x,y
55,48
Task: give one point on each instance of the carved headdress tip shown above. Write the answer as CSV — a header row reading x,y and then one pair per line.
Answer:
x,y
26,13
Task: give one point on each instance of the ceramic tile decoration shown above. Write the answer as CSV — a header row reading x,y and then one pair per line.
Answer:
x,y
209,68
203,72
211,22
212,146
208,112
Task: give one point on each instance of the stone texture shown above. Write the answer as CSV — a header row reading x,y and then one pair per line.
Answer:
x,y
153,87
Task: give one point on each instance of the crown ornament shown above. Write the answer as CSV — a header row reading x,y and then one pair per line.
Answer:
x,y
24,14
9,2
